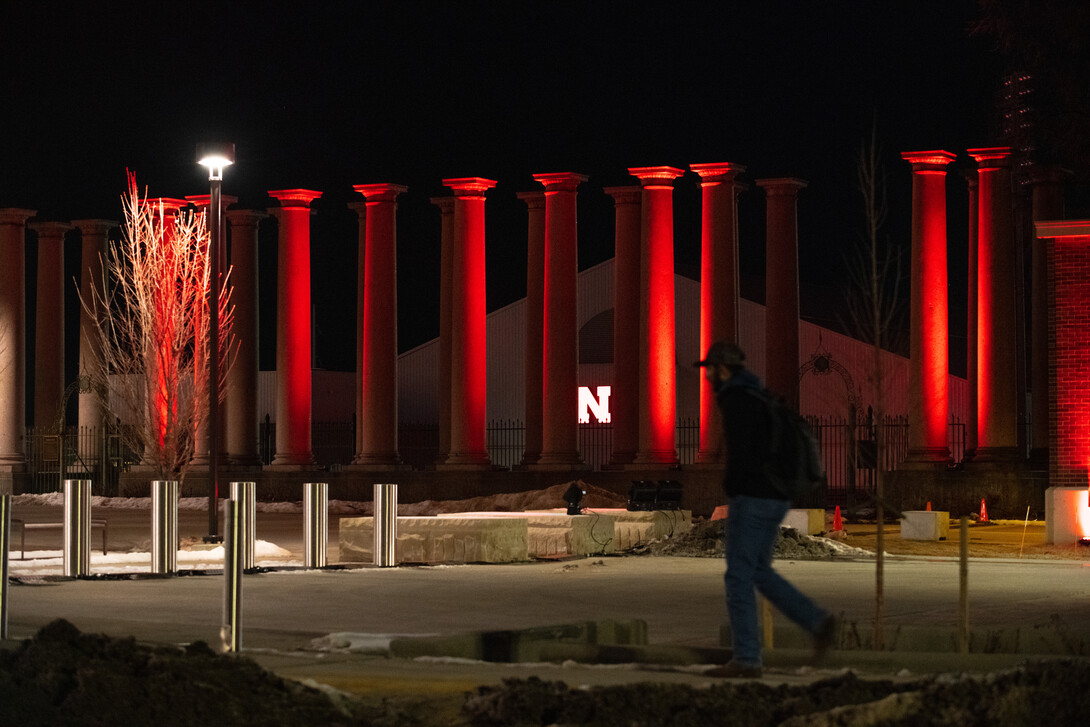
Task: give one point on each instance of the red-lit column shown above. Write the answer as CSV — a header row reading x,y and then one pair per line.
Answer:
x,y
560,355
997,385
625,396
377,422
718,286
535,322
95,236
929,361
468,353
240,407
971,322
200,367
658,392
13,336
446,265
1048,204
293,342
49,323
782,286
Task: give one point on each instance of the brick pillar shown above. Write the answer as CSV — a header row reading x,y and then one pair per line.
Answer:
x,y
293,341
718,286
95,237
560,355
1068,250
625,395
929,360
13,337
240,407
377,420
658,392
1048,204
49,324
535,317
997,368
446,264
782,286
200,368
469,360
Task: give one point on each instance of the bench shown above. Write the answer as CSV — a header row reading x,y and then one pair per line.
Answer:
x,y
24,526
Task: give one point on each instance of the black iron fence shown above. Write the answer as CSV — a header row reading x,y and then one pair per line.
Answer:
x,y
98,454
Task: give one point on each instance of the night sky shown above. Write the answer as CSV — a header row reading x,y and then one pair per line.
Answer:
x,y
324,95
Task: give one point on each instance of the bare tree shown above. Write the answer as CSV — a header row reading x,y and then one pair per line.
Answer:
x,y
874,306
152,325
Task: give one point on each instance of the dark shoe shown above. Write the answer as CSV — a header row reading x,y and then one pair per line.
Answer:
x,y
824,638
730,670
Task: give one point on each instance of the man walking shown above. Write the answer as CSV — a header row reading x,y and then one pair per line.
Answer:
x,y
755,512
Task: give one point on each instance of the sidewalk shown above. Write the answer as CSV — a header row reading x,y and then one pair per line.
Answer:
x,y
290,613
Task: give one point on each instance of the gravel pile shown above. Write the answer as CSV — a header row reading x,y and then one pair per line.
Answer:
x,y
705,540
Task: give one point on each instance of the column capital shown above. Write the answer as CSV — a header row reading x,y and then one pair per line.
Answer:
x,y
245,217
204,200
294,197
624,195
373,193
444,203
15,215
652,177
560,181
929,161
469,186
95,226
717,172
991,157
782,186
50,229
360,208
534,200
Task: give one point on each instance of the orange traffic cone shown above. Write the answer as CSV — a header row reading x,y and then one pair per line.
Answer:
x,y
838,524
983,511
929,506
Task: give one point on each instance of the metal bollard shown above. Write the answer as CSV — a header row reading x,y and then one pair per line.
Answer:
x,y
315,523
233,552
5,545
77,528
385,524
164,526
245,493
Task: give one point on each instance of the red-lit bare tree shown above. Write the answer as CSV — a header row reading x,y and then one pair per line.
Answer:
x,y
151,313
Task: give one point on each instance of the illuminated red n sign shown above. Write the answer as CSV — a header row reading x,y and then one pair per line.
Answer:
x,y
598,406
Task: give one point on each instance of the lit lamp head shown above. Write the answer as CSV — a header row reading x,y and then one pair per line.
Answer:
x,y
215,156
573,496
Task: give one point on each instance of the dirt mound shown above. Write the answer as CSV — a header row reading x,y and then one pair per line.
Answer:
x,y
1019,697
705,540
62,676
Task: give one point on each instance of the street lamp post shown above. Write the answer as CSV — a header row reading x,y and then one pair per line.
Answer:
x,y
214,156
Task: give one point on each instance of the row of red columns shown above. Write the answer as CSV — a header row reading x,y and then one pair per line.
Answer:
x,y
992,429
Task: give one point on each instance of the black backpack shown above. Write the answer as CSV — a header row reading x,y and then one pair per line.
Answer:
x,y
794,465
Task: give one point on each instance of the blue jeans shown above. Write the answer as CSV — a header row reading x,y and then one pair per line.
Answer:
x,y
750,531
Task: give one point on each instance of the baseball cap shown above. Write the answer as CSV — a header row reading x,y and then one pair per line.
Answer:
x,y
721,352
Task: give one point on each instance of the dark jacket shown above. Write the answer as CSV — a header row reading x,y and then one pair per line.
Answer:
x,y
747,427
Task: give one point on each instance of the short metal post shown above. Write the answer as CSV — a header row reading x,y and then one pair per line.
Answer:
x,y
315,523
385,524
164,526
77,528
5,546
245,493
233,551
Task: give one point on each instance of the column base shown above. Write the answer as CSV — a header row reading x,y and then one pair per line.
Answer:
x,y
372,460
998,458
376,467
558,459
199,460
243,460
466,460
292,462
711,456
660,458
528,459
926,458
